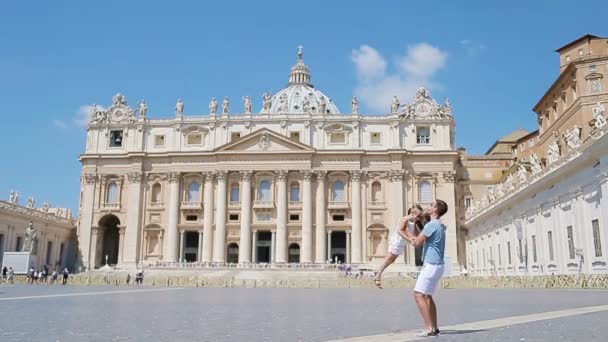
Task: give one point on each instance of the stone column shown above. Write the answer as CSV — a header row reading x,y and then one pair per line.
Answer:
x,y
181,246
121,243
348,249
199,256
449,219
219,238
172,233
356,217
254,250
320,234
85,231
364,199
93,248
329,245
208,218
306,248
134,214
281,233
273,245
245,245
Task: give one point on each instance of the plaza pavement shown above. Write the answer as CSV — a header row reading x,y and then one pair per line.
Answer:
x,y
88,313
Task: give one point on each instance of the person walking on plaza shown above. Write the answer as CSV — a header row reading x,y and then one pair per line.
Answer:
x,y
65,276
54,277
11,276
4,272
409,225
433,239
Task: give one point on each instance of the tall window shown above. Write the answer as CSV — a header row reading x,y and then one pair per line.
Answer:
x,y
156,193
376,191
467,202
264,193
234,192
61,248
499,256
426,192
597,242
194,192
521,253
423,135
509,251
112,195
294,192
478,264
534,248
570,242
484,258
550,242
337,191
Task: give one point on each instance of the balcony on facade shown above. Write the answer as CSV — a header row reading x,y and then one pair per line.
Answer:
x,y
110,206
377,204
295,204
338,205
258,204
234,204
156,205
192,205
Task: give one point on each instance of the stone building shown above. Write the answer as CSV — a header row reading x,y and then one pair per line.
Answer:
x,y
55,241
299,182
548,214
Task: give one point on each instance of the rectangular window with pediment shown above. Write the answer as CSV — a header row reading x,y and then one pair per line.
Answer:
x,y
159,140
337,138
194,139
116,138
294,136
423,135
375,138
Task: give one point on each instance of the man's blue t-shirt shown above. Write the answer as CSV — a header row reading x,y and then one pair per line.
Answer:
x,y
434,246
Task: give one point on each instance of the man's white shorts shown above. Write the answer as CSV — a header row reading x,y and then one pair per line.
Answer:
x,y
397,244
428,279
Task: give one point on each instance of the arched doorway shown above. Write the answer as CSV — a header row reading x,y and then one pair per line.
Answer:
x,y
338,247
294,253
263,246
110,239
233,253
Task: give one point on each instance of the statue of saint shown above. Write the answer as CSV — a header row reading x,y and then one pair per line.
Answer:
x,y
213,106
355,105
283,103
179,108
306,105
322,105
573,137
11,196
119,99
143,108
30,235
395,105
226,105
553,154
267,98
535,162
31,203
45,207
522,174
499,190
509,183
248,105
599,116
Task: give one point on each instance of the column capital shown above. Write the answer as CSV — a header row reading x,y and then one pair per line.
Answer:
x,y
209,177
121,230
135,177
200,231
449,176
281,175
89,178
307,175
173,177
221,176
356,175
246,175
321,175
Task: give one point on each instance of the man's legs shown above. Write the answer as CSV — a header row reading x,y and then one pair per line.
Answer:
x,y
423,305
433,311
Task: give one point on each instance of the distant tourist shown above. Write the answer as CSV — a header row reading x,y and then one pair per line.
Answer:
x,y
30,275
433,239
128,278
11,275
66,274
54,276
4,273
139,277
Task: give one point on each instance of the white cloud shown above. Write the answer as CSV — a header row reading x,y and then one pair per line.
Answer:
x,y
83,115
416,68
60,124
472,48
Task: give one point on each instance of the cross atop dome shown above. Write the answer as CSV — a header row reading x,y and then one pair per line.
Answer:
x,y
299,72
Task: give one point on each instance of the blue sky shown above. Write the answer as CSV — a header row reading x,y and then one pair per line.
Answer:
x,y
493,62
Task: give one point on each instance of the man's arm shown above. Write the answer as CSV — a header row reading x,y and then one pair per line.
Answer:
x,y
428,230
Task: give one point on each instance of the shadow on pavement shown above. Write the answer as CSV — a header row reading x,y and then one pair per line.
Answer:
x,y
459,332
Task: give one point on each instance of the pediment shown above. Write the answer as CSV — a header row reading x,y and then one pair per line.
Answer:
x,y
264,141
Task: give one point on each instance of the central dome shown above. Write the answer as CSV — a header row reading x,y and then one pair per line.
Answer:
x,y
300,96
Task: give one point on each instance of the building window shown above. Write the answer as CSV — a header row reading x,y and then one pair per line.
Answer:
x,y
194,139
294,192
596,85
264,192
115,138
423,135
376,192
375,138
294,217
580,52
192,218
484,257
597,242
156,189
425,192
534,248
521,253
294,136
19,245
337,138
567,59
49,252
234,193
233,217
159,140
478,264
338,218
234,136
467,202
499,255
194,192
61,248
550,243
112,194
264,216
337,191
509,251
570,242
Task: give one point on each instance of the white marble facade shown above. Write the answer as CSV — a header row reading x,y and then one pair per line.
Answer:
x,y
298,182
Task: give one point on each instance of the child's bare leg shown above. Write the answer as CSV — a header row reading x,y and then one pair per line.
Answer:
x,y
390,258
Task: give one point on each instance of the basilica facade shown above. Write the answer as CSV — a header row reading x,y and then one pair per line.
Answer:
x,y
298,182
